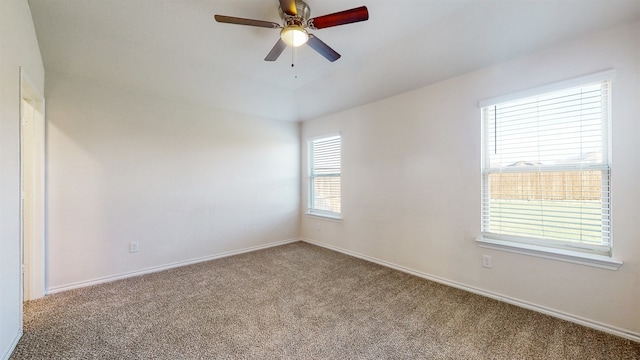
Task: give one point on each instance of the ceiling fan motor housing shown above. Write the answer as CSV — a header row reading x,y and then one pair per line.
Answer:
x,y
303,14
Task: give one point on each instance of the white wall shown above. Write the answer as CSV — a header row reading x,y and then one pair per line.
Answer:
x,y
411,184
19,47
184,180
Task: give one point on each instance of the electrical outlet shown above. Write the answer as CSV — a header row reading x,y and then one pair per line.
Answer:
x,y
134,246
486,261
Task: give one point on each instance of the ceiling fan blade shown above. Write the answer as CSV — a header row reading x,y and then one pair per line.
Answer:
x,y
340,18
322,48
278,48
243,21
289,7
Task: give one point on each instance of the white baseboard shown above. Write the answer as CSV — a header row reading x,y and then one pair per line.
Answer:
x,y
513,301
13,345
153,269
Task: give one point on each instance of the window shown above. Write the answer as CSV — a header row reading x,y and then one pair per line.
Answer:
x,y
545,176
324,176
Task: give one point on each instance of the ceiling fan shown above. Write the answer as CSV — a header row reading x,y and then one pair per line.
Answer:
x,y
296,22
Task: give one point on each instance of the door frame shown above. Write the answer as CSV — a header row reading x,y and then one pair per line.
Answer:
x,y
32,190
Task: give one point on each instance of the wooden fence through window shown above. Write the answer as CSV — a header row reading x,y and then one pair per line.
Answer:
x,y
560,185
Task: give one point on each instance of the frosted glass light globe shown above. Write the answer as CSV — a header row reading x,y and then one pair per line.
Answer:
x,y
294,35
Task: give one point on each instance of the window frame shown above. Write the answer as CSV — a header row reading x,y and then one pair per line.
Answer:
x,y
311,208
598,257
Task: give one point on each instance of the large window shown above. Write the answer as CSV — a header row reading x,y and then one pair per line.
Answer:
x,y
545,177
324,176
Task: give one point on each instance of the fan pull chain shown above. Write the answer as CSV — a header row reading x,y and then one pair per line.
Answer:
x,y
294,52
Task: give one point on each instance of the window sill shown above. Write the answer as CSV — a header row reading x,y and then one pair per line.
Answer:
x,y
325,216
575,257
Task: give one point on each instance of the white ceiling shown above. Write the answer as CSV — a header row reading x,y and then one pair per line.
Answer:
x,y
174,48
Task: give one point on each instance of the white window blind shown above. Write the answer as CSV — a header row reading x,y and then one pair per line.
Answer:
x,y
324,188
545,169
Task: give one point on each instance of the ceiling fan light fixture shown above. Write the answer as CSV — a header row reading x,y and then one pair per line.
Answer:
x,y
294,35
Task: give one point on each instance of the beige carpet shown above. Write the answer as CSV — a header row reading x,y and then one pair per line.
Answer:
x,y
296,301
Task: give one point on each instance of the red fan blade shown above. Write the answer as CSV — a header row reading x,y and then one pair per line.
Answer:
x,y
289,7
340,18
243,21
278,48
322,48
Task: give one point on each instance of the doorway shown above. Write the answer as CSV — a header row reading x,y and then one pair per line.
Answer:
x,y
32,186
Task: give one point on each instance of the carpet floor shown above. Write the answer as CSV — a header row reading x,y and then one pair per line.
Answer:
x,y
296,301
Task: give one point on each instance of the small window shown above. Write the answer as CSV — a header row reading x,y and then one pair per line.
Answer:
x,y
545,176
324,177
